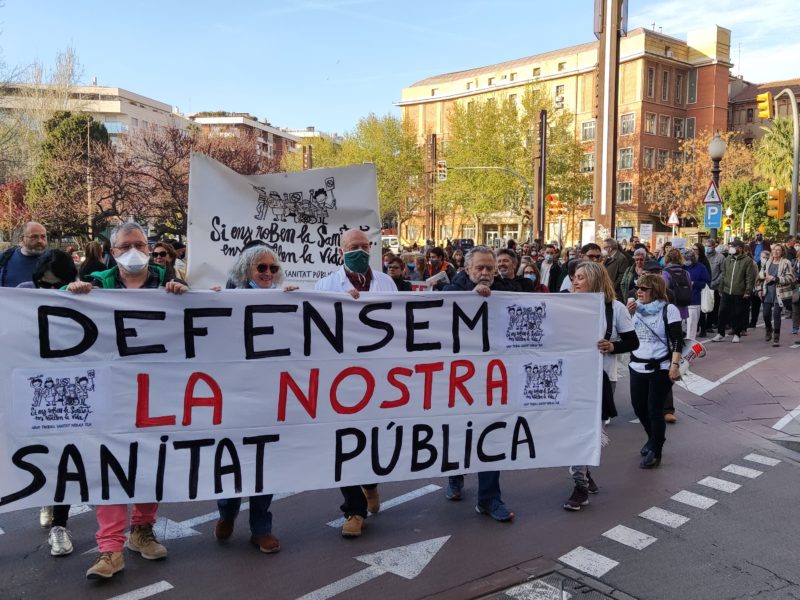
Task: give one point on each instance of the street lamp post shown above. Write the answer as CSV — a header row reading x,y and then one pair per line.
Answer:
x,y
716,150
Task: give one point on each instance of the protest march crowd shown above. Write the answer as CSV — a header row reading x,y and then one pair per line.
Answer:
x,y
654,302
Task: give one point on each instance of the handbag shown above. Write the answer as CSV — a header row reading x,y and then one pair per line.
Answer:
x,y
707,299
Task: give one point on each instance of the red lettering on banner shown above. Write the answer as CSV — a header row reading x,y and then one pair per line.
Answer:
x,y
457,381
368,379
429,369
190,400
493,384
308,401
391,377
143,418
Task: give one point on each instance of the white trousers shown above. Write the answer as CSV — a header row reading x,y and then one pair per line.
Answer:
x,y
692,321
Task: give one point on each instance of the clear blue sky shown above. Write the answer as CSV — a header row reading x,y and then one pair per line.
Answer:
x,y
329,62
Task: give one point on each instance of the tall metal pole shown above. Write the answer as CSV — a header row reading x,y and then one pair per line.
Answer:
x,y
746,204
541,182
89,210
793,212
715,177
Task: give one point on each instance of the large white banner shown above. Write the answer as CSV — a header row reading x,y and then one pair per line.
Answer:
x,y
301,216
139,395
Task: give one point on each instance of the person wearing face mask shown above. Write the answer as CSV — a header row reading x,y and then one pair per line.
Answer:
x,y
737,283
699,277
354,277
616,263
755,299
776,283
628,283
531,273
716,260
132,271
17,264
758,247
549,269
438,264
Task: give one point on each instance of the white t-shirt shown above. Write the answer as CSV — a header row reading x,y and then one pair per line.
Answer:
x,y
565,285
653,344
622,323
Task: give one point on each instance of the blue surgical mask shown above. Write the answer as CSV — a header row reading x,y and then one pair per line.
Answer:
x,y
531,276
709,250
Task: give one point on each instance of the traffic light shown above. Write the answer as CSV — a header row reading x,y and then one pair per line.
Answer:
x,y
776,203
528,214
765,108
554,205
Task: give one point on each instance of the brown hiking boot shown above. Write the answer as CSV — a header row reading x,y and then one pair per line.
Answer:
x,y
776,339
106,564
142,540
373,500
267,543
223,530
352,526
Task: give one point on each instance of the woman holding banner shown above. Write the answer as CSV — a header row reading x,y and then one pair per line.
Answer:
x,y
620,337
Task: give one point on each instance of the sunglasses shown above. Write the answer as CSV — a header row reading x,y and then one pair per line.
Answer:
x,y
272,268
162,254
50,286
594,257
643,288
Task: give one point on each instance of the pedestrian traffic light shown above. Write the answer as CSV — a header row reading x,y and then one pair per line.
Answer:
x,y
776,201
527,213
765,107
441,170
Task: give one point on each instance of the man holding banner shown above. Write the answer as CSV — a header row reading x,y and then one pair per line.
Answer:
x,y
356,276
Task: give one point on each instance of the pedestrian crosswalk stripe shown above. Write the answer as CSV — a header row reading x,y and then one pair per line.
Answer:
x,y
144,592
693,499
763,460
629,537
588,562
719,484
664,517
743,471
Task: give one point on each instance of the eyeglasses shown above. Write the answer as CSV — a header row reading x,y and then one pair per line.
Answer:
x,y
162,254
48,285
393,267
643,288
141,246
36,236
594,257
272,268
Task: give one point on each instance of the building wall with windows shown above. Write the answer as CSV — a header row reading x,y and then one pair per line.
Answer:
x,y
743,114
272,143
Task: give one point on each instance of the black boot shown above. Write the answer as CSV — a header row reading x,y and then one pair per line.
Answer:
x,y
650,461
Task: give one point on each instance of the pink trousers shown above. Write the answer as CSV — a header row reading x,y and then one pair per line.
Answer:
x,y
112,519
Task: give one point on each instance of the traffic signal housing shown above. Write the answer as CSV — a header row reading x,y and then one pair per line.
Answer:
x,y
441,170
776,203
765,106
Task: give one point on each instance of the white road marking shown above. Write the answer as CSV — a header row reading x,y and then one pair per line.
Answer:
x,y
719,484
344,584
634,421
79,509
630,537
589,562
412,495
762,460
664,517
743,471
145,592
700,385
1,531
693,499
792,416
537,590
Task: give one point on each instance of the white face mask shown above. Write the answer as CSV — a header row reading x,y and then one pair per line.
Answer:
x,y
133,261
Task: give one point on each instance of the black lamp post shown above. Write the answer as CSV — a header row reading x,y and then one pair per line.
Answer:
x,y
716,150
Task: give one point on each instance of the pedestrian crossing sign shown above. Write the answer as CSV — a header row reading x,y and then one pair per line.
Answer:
x,y
712,194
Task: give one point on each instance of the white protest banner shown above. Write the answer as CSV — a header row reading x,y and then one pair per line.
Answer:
x,y
138,395
301,216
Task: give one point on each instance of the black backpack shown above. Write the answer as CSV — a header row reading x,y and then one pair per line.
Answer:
x,y
679,289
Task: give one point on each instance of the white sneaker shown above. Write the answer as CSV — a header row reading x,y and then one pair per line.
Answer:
x,y
736,339
60,541
46,516
718,338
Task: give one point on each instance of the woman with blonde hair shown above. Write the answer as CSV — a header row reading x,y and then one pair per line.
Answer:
x,y
775,284
619,338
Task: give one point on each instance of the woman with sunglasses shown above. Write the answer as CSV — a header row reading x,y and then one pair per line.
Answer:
x,y
654,365
164,255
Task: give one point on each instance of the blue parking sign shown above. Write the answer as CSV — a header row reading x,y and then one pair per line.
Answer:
x,y
713,215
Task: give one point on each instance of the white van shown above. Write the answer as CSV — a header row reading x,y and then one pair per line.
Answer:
x,y
392,242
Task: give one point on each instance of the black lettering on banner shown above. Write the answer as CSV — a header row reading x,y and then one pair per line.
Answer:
x,y
363,316
162,465
260,441
421,436
336,340
251,331
482,456
468,446
234,468
194,460
412,326
123,333
459,316
89,331
447,465
72,453
341,457
190,331
376,456
521,426
126,480
38,479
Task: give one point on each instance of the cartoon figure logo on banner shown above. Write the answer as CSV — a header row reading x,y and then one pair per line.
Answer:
x,y
542,382
526,325
303,209
64,399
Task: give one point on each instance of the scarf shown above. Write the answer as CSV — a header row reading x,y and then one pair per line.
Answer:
x,y
651,308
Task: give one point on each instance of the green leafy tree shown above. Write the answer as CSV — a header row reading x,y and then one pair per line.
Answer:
x,y
774,153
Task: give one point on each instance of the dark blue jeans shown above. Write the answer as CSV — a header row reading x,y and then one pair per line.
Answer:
x,y
260,516
488,486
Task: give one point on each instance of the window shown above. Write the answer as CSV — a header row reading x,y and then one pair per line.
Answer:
x,y
588,199
679,88
467,232
562,66
665,85
677,156
512,98
512,77
469,85
560,90
624,192
434,91
690,128
625,158
691,87
491,81
587,131
663,125
537,71
134,122
651,82
650,123
587,163
649,158
677,128
628,125
749,115
663,157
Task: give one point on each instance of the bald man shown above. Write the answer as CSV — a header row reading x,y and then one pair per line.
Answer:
x,y
17,264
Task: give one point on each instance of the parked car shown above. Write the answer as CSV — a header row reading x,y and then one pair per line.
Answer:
x,y
392,242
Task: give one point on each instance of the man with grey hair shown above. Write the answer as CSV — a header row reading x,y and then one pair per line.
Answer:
x,y
616,264
17,264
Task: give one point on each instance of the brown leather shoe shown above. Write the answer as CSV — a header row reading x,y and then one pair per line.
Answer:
x,y
373,500
267,543
352,526
223,530
670,418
